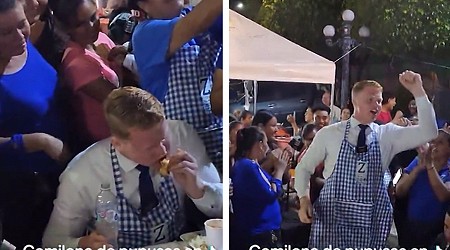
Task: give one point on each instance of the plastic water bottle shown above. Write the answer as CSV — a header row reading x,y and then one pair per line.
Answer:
x,y
107,215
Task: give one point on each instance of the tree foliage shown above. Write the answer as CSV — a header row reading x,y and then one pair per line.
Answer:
x,y
415,27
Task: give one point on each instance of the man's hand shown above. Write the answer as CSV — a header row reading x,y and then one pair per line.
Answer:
x,y
93,241
305,213
412,82
400,120
185,170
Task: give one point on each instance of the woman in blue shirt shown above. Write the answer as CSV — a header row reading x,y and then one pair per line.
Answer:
x,y
31,131
426,181
255,193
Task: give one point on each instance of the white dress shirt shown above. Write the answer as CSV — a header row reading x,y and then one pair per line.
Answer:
x,y
393,139
80,185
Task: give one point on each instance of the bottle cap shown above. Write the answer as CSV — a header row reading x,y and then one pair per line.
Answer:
x,y
105,186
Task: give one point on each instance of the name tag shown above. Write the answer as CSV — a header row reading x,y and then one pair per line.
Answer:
x,y
361,171
206,87
159,234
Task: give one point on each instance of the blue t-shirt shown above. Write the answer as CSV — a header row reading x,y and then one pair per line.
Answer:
x,y
28,105
423,204
151,40
255,204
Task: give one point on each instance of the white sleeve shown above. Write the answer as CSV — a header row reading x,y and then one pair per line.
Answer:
x,y
211,203
69,218
405,138
314,155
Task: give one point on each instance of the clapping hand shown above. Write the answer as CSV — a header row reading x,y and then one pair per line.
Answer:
x,y
282,160
425,156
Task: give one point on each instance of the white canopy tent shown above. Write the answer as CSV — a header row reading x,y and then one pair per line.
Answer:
x,y
259,54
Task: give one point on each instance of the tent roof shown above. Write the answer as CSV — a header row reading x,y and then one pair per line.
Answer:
x,y
257,53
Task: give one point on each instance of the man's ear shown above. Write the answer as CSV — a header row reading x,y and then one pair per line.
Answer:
x,y
116,142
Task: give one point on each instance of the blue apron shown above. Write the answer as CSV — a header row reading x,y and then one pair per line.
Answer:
x,y
160,225
353,209
190,84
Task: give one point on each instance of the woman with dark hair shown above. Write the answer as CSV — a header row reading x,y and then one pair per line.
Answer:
x,y
255,193
235,126
43,30
267,121
31,131
86,72
176,50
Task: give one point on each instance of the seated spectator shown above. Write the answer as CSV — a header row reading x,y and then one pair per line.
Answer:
x,y
130,161
426,182
255,193
32,152
85,70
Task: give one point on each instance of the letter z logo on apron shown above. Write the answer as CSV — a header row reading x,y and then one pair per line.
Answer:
x,y
159,233
361,171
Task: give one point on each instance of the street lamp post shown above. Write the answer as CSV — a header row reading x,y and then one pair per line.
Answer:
x,y
346,43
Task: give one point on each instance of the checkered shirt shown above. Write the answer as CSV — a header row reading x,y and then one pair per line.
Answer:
x,y
190,84
350,213
134,227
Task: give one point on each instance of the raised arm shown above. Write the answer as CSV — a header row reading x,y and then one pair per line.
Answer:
x,y
196,22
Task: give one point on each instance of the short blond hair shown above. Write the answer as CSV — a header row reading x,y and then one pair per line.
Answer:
x,y
359,86
129,107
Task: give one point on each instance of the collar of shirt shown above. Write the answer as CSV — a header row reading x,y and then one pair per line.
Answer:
x,y
128,165
354,123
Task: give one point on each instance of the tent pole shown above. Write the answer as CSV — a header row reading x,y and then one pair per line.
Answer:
x,y
247,96
332,95
255,94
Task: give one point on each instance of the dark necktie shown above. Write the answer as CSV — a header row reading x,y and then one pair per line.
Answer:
x,y
361,146
149,200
